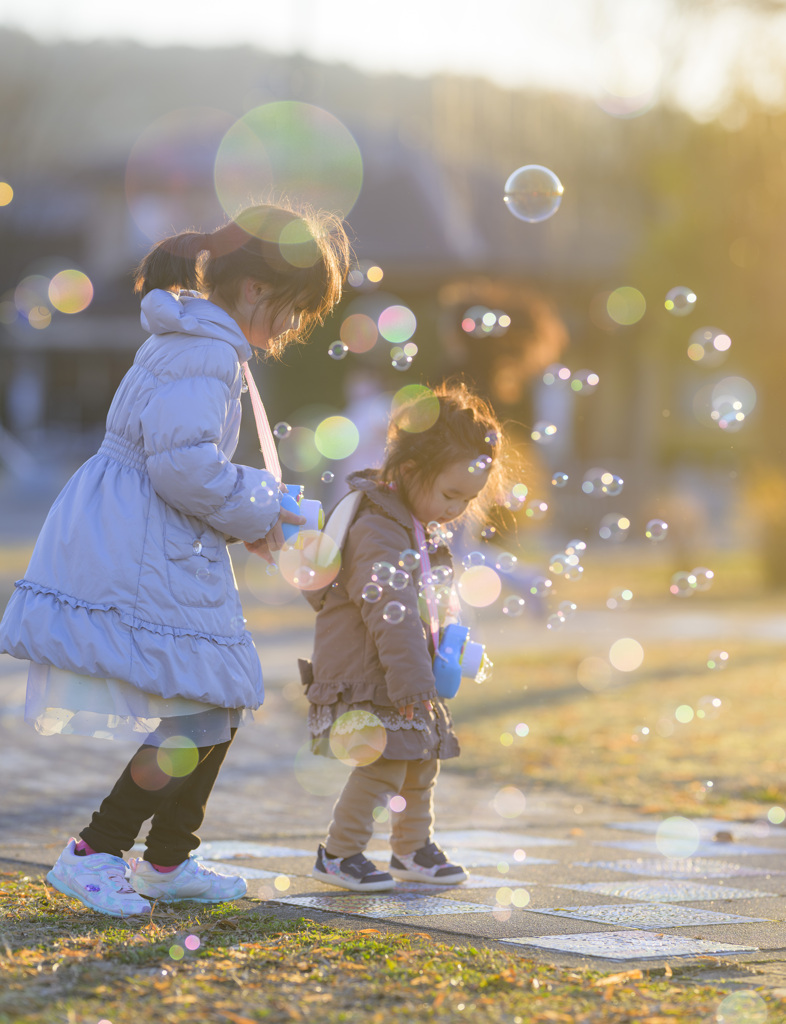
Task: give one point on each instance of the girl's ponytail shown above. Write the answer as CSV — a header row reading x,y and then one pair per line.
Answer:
x,y
172,263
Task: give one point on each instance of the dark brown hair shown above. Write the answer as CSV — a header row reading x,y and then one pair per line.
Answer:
x,y
463,426
301,258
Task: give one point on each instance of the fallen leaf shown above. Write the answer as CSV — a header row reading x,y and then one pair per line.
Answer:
x,y
618,979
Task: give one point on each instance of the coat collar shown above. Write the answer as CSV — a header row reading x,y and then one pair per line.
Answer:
x,y
387,499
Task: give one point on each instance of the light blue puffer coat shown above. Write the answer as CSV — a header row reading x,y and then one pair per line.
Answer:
x,y
131,578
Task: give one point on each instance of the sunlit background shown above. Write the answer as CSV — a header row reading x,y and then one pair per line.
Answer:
x,y
631,333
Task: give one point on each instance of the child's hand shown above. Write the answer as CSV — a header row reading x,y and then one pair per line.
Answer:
x,y
260,547
275,538
408,711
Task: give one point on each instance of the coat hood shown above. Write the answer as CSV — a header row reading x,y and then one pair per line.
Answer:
x,y
164,312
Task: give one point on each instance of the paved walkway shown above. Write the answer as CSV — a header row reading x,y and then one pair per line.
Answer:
x,y
564,880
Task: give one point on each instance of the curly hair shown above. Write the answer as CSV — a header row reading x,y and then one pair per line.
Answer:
x,y
444,425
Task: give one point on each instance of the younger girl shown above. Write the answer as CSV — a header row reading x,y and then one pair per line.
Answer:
x,y
373,651
129,613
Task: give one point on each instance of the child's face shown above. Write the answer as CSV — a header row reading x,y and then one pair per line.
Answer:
x,y
448,495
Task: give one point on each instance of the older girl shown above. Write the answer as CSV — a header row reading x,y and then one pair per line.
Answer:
x,y
128,612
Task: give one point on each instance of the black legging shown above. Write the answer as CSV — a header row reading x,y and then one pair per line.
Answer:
x,y
177,806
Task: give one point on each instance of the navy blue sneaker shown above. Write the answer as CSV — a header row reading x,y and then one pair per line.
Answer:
x,y
355,872
428,864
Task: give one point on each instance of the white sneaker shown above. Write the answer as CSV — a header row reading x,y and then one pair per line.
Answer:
x,y
98,880
190,880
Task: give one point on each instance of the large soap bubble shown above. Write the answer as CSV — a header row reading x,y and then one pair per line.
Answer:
x,y
533,193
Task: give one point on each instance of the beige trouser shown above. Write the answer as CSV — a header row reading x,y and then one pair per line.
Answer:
x,y
372,786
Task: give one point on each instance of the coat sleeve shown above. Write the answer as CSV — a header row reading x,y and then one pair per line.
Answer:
x,y
182,427
403,646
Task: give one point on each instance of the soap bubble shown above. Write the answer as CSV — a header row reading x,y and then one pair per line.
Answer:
x,y
488,532
399,579
584,382
559,479
575,547
540,586
338,350
327,477
400,360
680,301
709,346
718,659
506,562
614,527
513,606
704,577
533,193
656,530
555,374
600,482
566,608
394,612
381,572
683,584
543,432
371,592
282,430
473,558
620,597
536,509
560,564
409,559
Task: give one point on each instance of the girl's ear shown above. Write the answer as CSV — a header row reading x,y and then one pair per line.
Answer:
x,y
251,291
406,470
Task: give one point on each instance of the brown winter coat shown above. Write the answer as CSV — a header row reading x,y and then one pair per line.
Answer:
x,y
362,661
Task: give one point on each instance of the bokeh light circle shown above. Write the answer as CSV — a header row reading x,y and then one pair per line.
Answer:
x,y
626,306
336,437
397,324
479,586
680,301
414,408
626,654
289,148
509,802
357,738
677,837
359,332
297,450
166,167
310,561
70,291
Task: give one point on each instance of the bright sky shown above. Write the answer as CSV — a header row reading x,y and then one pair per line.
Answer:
x,y
617,47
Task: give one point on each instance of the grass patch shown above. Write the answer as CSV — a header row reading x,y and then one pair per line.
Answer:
x,y
672,737
62,964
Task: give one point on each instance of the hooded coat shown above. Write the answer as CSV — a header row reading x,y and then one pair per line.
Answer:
x,y
131,578
363,659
